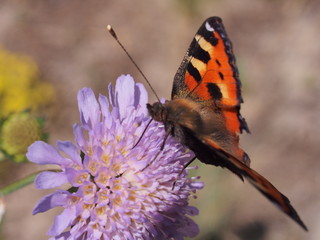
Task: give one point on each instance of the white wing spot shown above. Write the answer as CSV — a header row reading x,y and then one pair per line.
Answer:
x,y
209,28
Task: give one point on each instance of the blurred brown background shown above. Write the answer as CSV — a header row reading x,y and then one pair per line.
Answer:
x,y
278,54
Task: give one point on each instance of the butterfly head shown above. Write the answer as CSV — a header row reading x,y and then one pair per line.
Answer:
x,y
157,111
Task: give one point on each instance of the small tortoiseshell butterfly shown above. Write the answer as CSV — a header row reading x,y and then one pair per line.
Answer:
x,y
204,112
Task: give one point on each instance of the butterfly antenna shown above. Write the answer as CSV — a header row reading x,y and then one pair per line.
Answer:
x,y
114,35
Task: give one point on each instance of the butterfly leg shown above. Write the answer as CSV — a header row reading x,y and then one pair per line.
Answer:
x,y
144,131
168,132
184,167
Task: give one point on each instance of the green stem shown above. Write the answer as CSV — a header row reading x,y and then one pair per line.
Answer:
x,y
18,184
22,182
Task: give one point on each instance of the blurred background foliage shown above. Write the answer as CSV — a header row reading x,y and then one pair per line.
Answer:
x,y
276,44
24,100
22,96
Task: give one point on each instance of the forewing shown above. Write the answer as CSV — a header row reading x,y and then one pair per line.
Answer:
x,y
208,74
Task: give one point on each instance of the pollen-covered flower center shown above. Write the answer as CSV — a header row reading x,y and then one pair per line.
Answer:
x,y
117,184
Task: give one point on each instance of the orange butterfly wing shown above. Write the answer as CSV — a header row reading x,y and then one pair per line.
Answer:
x,y
209,75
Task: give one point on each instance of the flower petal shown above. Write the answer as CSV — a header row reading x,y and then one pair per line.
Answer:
x,y
141,98
62,236
47,179
42,153
80,138
77,177
70,149
56,199
104,104
88,107
190,228
62,221
112,97
124,94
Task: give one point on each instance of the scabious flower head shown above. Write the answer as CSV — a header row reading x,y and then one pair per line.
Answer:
x,y
112,194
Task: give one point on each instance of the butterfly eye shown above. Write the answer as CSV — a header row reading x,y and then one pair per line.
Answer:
x,y
150,109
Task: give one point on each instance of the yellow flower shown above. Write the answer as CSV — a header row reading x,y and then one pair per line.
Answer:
x,y
20,87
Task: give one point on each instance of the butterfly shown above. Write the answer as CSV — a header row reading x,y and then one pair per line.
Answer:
x,y
204,110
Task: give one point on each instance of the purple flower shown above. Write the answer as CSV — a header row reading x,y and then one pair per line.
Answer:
x,y
112,194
